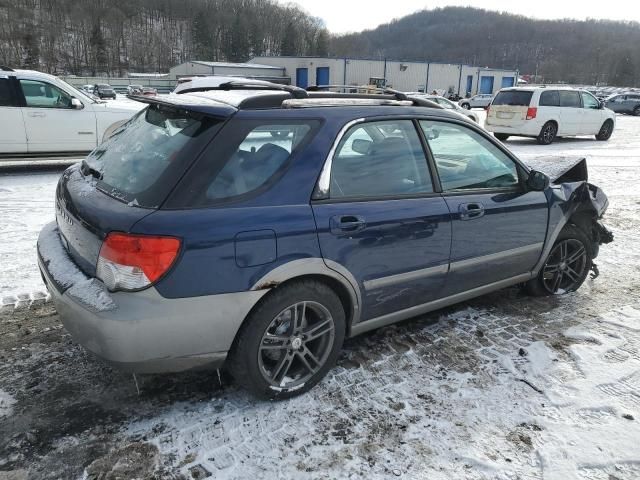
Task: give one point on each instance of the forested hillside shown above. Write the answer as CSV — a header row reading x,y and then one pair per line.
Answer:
x,y
561,50
117,36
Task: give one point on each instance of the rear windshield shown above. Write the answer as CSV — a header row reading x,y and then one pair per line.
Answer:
x,y
517,98
245,159
143,160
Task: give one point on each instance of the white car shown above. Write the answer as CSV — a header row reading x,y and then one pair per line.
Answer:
x,y
477,101
41,114
547,113
199,84
449,105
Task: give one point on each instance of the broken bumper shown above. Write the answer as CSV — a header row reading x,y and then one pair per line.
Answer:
x,y
141,331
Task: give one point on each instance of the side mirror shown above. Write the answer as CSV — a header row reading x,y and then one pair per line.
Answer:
x,y
602,104
361,145
537,181
76,104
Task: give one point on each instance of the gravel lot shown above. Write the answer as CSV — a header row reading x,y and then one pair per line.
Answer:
x,y
502,387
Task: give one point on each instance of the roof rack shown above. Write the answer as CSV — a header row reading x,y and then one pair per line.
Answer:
x,y
343,101
6,69
296,92
367,89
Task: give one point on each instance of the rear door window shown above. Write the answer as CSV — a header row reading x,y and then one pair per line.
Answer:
x,y
516,98
143,160
6,93
550,99
570,99
380,159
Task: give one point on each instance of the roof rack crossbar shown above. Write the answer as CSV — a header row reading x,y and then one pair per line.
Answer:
x,y
296,92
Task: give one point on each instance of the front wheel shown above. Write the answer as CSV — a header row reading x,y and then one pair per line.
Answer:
x,y
501,136
567,265
605,131
466,106
547,134
290,341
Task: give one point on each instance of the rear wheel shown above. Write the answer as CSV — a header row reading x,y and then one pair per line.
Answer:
x,y
567,265
290,342
547,134
605,131
501,136
636,111
466,106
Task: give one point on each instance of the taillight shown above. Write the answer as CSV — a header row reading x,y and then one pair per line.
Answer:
x,y
134,262
531,113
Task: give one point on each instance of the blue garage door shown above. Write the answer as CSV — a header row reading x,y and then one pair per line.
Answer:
x,y
322,76
302,77
507,82
469,84
486,84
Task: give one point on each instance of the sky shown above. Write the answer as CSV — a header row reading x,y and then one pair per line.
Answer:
x,y
342,16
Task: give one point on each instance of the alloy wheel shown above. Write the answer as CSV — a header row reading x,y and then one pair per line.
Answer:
x,y
565,266
549,133
296,344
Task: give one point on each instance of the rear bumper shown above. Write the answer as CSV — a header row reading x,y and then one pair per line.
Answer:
x,y
142,331
527,129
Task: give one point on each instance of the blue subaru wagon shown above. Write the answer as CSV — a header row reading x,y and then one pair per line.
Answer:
x,y
258,226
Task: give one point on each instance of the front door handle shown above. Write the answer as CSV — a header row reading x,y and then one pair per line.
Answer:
x,y
341,224
469,211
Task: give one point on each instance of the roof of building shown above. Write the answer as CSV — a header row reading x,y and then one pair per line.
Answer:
x,y
236,65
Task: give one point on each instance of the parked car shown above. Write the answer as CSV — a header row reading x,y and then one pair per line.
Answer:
x,y
448,104
149,92
628,103
102,91
195,238
477,101
40,113
547,113
134,89
88,89
202,84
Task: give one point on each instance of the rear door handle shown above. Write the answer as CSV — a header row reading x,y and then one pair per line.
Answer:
x,y
341,224
469,211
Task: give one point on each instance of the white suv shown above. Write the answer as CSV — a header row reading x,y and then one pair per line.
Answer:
x,y
481,100
547,113
41,114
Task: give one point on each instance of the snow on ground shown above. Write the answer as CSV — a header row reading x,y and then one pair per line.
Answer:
x,y
502,387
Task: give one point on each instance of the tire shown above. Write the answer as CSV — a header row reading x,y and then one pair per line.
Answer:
x,y
572,274
272,356
501,136
636,111
466,106
547,133
605,131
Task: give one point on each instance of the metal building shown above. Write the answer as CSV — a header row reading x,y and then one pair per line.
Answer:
x,y
249,70
405,76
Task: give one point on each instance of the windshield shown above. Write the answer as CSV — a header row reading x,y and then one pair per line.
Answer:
x,y
143,160
76,92
517,98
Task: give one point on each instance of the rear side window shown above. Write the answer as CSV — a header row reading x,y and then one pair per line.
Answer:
x,y
142,161
570,99
516,98
550,99
247,157
6,95
380,159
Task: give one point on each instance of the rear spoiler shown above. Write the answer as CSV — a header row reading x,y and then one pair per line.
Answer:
x,y
561,169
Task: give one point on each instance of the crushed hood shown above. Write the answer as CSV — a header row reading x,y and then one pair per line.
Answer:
x,y
561,169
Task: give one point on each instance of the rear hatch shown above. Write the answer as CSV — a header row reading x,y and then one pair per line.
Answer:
x,y
509,108
127,178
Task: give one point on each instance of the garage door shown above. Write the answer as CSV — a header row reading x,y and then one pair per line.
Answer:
x,y
507,82
302,77
486,84
322,76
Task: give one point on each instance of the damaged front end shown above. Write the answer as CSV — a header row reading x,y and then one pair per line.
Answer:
x,y
573,200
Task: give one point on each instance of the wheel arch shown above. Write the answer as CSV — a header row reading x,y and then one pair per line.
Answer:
x,y
332,274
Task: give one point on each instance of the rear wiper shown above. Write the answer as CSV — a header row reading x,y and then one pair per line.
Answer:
x,y
87,169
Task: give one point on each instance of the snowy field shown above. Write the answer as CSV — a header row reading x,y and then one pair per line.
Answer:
x,y
502,387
